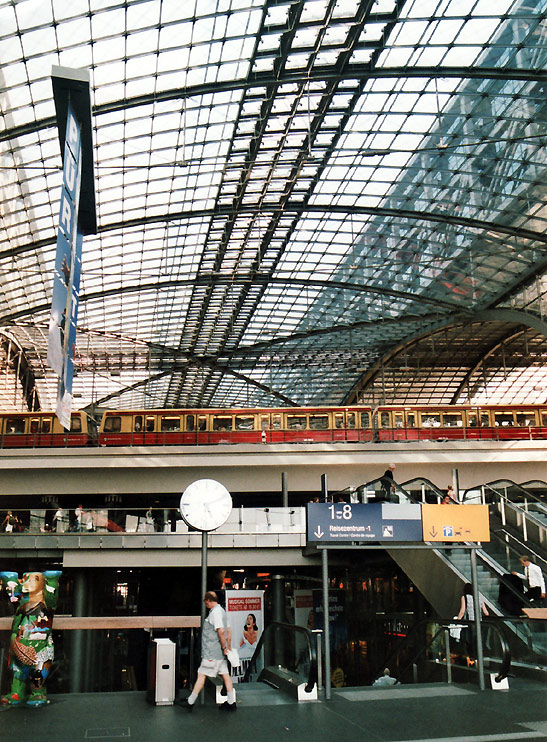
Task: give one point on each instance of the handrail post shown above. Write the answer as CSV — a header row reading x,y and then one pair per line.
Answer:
x,y
326,627
478,609
447,653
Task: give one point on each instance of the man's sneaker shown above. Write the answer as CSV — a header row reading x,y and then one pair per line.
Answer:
x,y
228,706
185,705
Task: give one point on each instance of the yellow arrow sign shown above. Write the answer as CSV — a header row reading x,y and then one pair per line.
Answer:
x,y
452,523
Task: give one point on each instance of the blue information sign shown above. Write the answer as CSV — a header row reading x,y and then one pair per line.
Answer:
x,y
328,523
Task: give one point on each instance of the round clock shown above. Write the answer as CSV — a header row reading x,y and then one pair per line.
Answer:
x,y
205,505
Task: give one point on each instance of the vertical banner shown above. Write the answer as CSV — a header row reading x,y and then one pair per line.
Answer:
x,y
66,280
245,609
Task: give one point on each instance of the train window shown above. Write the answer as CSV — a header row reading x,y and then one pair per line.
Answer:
x,y
350,419
431,420
525,419
319,422
245,422
384,420
276,422
34,425
264,422
398,419
296,422
452,420
190,423
75,424
46,425
410,419
113,424
222,422
170,424
202,423
150,424
472,419
485,420
365,420
544,418
137,423
338,420
503,418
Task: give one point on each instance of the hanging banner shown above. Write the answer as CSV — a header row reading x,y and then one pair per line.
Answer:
x,y
245,609
66,280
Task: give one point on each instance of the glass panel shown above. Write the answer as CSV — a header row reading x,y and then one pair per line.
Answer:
x,y
338,420
485,420
350,419
503,419
222,422
46,425
264,422
75,424
245,422
137,423
202,423
190,423
431,420
472,419
410,419
113,424
150,424
385,420
544,417
365,420
170,424
452,420
525,419
276,422
398,419
34,425
319,422
296,422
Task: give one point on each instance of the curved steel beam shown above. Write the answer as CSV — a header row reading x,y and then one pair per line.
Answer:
x,y
492,315
351,72
299,209
223,279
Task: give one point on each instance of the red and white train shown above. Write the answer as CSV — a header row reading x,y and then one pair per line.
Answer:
x,y
277,425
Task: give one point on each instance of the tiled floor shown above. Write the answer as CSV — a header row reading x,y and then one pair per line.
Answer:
x,y
429,713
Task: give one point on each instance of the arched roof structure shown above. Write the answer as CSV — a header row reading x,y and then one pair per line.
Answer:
x,y
298,201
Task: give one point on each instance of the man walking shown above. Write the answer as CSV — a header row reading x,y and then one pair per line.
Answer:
x,y
534,581
216,642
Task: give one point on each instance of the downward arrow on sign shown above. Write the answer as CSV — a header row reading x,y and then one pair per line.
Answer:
x,y
318,532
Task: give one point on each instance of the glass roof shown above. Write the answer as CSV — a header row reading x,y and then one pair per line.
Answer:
x,y
300,202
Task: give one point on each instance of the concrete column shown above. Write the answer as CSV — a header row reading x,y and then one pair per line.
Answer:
x,y
77,636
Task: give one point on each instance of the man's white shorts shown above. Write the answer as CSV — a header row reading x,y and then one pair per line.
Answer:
x,y
212,668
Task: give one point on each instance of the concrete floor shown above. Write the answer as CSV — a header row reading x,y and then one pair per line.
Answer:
x,y
406,713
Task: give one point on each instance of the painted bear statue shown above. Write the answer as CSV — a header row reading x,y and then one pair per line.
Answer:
x,y
30,655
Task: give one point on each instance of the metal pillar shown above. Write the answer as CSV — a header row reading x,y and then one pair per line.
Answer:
x,y
77,636
284,489
478,612
203,589
325,576
278,614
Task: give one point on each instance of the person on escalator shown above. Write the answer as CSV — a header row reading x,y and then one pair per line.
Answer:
x,y
533,579
387,492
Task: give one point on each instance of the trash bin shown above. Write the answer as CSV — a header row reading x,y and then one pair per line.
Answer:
x,y
161,673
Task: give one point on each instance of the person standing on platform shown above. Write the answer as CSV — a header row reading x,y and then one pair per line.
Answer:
x,y
216,642
533,578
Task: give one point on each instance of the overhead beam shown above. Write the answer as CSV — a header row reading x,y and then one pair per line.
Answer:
x,y
351,72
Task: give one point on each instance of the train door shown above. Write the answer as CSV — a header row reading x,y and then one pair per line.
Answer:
x,y
265,435
365,432
339,426
221,429
398,421
453,425
385,428
277,433
411,427
137,430
296,427
320,429
504,424
170,430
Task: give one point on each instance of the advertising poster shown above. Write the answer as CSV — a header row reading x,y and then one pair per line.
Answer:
x,y
245,609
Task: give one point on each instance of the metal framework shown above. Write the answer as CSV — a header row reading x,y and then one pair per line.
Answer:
x,y
298,201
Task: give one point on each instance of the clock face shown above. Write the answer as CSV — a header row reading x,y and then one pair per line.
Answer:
x,y
205,505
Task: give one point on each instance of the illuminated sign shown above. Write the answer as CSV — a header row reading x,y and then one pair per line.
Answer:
x,y
455,523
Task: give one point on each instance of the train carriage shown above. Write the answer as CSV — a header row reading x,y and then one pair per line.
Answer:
x,y
42,430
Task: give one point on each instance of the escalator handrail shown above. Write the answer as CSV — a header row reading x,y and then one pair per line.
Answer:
x,y
518,508
523,548
445,623
432,486
312,653
398,488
